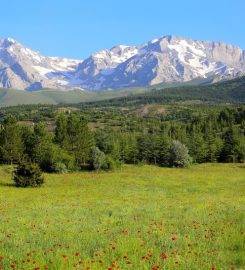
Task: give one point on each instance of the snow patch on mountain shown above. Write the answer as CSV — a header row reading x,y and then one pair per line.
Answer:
x,y
161,60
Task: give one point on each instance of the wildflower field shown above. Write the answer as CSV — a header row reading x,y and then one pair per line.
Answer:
x,y
140,217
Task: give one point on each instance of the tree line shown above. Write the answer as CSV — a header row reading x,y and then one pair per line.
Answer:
x,y
216,137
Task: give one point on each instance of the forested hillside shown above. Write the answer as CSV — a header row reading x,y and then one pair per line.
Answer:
x,y
232,91
73,138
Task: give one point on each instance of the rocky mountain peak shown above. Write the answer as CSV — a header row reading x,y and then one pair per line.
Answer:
x,y
161,60
7,42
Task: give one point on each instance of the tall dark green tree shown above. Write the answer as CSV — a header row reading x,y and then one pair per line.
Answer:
x,y
234,146
197,146
80,139
42,147
163,158
61,136
144,146
11,144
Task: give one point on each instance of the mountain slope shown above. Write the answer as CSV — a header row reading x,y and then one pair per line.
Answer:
x,y
12,97
232,91
22,68
163,60
169,59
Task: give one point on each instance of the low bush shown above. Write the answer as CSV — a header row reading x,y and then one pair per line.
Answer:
x,y
98,158
179,155
28,175
110,164
59,167
54,157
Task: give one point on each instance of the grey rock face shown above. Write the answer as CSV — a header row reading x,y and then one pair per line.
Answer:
x,y
168,59
163,60
22,68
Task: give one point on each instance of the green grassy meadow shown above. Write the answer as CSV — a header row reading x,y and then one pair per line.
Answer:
x,y
140,217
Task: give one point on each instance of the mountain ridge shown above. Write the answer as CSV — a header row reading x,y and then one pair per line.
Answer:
x,y
167,59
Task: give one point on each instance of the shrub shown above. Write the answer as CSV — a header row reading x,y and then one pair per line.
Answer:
x,y
98,158
110,164
54,157
59,167
179,155
100,161
28,175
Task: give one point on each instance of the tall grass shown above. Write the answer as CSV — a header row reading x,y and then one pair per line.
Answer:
x,y
136,218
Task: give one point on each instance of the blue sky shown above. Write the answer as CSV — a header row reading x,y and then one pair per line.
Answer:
x,y
77,28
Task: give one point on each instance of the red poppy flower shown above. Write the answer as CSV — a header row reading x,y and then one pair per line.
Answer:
x,y
164,256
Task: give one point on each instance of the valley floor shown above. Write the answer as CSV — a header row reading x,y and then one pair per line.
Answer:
x,y
136,218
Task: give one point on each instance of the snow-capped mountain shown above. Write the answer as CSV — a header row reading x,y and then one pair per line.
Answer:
x,y
164,60
93,71
23,68
167,59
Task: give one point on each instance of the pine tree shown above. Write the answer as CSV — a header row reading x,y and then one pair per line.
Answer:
x,y
164,151
132,150
144,146
11,145
73,123
84,143
197,147
234,148
41,142
61,136
80,139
